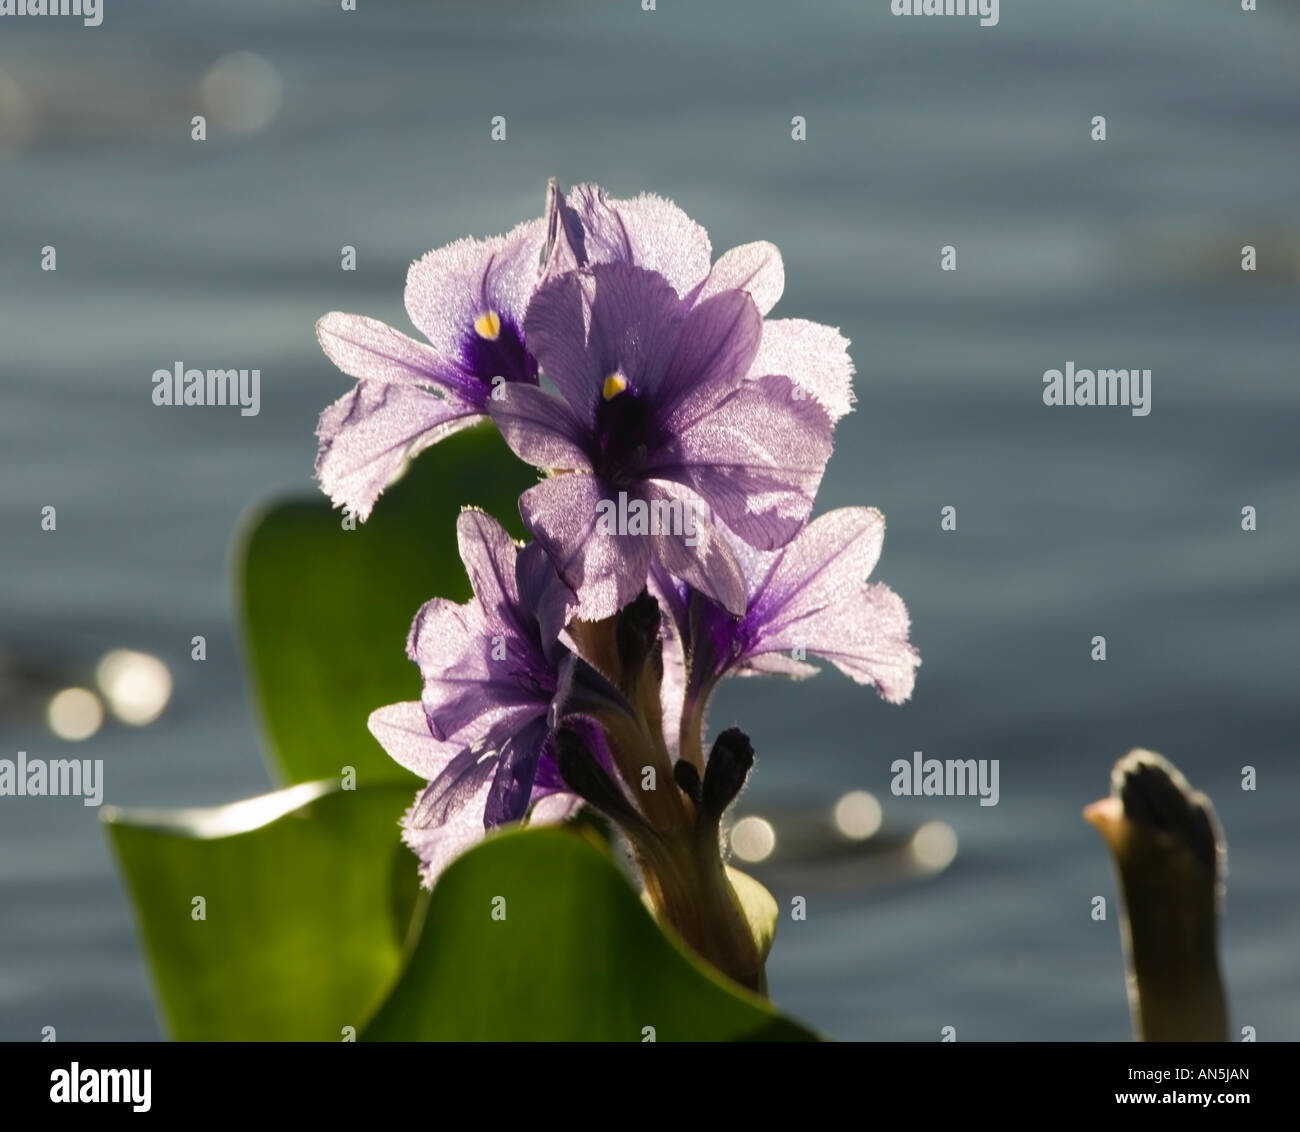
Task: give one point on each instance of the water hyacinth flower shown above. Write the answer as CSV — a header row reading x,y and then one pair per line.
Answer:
x,y
585,227
811,597
468,299
480,734
682,436
655,406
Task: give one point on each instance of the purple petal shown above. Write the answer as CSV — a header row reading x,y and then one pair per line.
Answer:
x,y
487,670
554,808
367,435
565,249
697,553
446,641
612,318
437,845
541,429
813,356
550,799
524,600
547,780
452,286
666,240
556,332
672,595
757,458
403,731
488,554
812,595
370,350
672,692
455,789
753,268
637,320
543,593
512,785
647,231
875,649
605,571
712,354
777,664
468,695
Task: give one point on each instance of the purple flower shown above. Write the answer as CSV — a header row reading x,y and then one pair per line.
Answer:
x,y
468,299
810,597
656,417
585,228
480,734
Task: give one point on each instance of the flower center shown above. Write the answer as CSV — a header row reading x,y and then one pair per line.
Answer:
x,y
625,432
495,349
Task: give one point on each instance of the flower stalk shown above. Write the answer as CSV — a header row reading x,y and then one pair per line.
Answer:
x,y
668,814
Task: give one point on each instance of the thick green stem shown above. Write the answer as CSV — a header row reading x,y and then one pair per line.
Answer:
x,y
689,890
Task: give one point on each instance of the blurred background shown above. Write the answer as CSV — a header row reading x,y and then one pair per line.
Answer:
x,y
371,129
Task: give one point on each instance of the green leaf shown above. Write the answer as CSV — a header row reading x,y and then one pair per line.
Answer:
x,y
326,611
308,896
575,957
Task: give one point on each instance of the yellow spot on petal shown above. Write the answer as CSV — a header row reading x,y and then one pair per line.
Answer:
x,y
488,325
615,383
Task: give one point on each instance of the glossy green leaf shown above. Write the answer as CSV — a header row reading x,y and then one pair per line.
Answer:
x,y
307,901
537,936
326,610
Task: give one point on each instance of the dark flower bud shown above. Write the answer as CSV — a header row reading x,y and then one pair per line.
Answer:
x,y
729,764
637,634
1154,794
688,778
584,690
584,775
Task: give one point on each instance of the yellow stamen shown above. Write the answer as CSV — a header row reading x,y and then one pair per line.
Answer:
x,y
488,325
615,383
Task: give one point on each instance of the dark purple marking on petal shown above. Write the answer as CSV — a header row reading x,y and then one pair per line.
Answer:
x,y
516,769
626,433
453,789
718,640
503,356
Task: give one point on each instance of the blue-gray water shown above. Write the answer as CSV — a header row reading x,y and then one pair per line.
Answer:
x,y
921,133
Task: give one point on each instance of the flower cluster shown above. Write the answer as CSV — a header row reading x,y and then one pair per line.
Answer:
x,y
681,436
